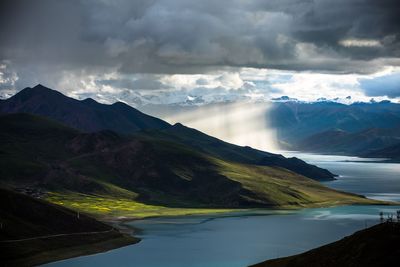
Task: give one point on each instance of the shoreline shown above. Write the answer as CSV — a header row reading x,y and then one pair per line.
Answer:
x,y
273,210
74,246
127,231
367,159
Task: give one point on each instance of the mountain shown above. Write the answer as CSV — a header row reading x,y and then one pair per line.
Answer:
x,y
375,246
298,166
213,146
90,116
296,121
87,115
358,143
23,217
41,154
391,152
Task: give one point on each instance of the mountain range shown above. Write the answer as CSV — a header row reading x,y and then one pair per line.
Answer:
x,y
113,162
42,154
329,127
362,143
88,116
355,129
156,163
296,120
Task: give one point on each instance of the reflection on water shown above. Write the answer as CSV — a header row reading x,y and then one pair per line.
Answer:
x,y
246,238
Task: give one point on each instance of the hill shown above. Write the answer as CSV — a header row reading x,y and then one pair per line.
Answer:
x,y
358,143
296,121
325,126
90,116
246,155
35,232
86,115
375,246
391,152
73,168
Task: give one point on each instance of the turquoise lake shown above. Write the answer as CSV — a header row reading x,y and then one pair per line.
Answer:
x,y
241,239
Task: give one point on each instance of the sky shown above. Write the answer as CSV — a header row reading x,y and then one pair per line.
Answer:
x,y
172,51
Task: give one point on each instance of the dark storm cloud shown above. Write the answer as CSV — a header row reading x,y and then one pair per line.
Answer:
x,y
180,36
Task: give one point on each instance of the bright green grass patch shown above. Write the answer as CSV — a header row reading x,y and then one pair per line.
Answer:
x,y
285,189
111,207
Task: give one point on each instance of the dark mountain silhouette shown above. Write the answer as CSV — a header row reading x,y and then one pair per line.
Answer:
x,y
296,121
330,124
391,152
40,153
373,247
87,115
342,142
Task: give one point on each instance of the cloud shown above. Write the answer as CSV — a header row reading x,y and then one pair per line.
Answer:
x,y
7,76
360,43
141,83
174,36
90,46
387,85
201,81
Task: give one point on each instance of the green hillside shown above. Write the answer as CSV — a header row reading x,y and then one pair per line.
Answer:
x,y
90,116
210,145
91,171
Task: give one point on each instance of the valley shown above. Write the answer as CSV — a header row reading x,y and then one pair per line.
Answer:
x,y
170,133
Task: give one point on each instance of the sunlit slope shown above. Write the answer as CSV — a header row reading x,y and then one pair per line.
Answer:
x,y
215,147
282,188
90,116
43,155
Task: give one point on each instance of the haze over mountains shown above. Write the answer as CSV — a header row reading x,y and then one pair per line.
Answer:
x,y
162,164
174,108
323,126
329,127
88,115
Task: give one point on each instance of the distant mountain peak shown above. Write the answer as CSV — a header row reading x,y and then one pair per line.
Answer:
x,y
38,90
120,104
40,86
87,115
89,100
284,98
178,124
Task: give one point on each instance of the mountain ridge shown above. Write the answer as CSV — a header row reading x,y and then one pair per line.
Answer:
x,y
40,153
88,115
358,143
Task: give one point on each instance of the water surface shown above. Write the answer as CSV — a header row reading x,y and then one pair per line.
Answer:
x,y
245,238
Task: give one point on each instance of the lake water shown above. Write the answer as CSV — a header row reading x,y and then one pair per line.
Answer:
x,y
240,239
